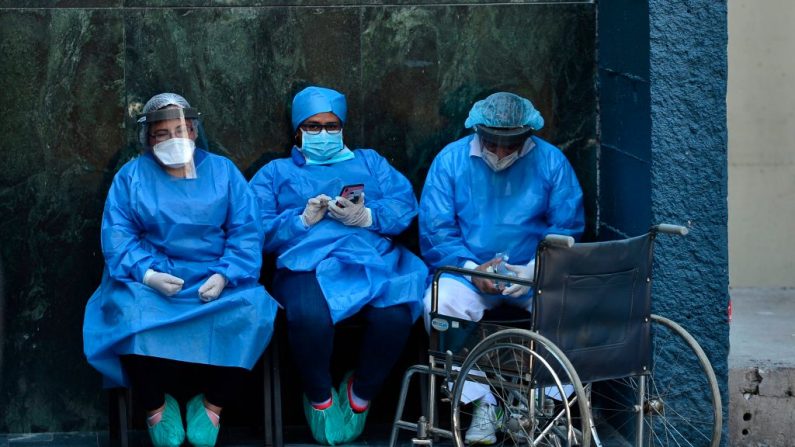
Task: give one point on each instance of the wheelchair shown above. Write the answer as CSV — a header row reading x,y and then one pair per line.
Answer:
x,y
591,366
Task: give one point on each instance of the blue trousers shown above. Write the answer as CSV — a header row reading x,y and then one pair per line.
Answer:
x,y
151,378
310,335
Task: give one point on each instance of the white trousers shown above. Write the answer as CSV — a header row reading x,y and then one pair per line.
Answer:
x,y
459,301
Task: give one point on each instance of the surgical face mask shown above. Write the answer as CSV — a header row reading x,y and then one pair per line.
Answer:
x,y
321,146
175,153
498,164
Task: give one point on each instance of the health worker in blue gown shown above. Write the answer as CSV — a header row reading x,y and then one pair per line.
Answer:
x,y
488,199
336,259
179,297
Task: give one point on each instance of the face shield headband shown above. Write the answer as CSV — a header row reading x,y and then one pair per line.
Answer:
x,y
188,113
503,137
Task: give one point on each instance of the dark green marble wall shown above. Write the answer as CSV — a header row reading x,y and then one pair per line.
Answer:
x,y
74,72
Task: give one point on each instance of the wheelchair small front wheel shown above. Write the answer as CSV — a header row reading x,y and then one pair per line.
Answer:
x,y
518,388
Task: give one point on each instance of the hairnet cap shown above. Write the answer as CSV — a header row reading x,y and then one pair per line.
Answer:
x,y
161,100
313,100
504,110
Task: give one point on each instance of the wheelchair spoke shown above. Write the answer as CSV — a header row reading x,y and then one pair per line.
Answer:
x,y
512,373
681,404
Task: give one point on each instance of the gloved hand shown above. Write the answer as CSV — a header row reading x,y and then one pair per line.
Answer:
x,y
164,283
486,285
522,271
212,288
315,210
349,213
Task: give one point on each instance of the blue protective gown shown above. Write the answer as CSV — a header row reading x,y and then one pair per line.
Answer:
x,y
354,266
468,212
190,228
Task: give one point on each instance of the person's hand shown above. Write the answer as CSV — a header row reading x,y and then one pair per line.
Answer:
x,y
486,285
212,288
315,210
164,283
522,271
349,213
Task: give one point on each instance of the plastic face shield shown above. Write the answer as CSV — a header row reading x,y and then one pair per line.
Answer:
x,y
171,133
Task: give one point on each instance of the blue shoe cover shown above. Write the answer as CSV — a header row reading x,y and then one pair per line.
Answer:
x,y
201,430
169,432
326,425
353,421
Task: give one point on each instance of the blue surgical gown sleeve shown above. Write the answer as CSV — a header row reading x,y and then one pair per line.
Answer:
x,y
242,256
441,240
394,211
126,256
565,214
280,228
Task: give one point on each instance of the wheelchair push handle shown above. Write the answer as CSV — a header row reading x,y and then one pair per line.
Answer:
x,y
559,240
670,229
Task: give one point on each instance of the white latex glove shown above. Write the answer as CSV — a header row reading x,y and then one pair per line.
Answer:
x,y
349,213
315,210
212,288
522,271
164,283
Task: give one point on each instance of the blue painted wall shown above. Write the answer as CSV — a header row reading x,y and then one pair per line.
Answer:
x,y
662,96
624,103
688,73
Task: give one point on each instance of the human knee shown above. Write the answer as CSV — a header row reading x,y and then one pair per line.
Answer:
x,y
307,322
393,317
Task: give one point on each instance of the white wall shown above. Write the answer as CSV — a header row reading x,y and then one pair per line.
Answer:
x,y
761,120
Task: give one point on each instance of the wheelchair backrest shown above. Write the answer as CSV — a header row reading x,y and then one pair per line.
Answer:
x,y
593,300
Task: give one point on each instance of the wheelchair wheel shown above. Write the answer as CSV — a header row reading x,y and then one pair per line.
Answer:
x,y
679,398
523,371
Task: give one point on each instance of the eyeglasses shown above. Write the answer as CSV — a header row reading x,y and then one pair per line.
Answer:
x,y
493,147
163,134
315,128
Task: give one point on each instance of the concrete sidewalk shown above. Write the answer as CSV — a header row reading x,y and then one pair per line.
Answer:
x,y
762,368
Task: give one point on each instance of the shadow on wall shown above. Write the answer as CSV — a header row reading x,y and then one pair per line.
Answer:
x,y
2,320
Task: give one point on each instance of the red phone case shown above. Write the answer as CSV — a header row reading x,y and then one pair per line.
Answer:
x,y
352,192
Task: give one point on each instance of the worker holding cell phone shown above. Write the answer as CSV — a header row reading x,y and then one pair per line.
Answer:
x,y
329,214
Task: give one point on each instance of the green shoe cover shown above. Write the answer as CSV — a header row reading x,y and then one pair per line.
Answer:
x,y
326,425
201,430
169,432
354,422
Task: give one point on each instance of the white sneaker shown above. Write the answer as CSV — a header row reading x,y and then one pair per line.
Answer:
x,y
485,422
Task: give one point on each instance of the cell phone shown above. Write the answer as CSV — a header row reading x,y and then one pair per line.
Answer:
x,y
352,192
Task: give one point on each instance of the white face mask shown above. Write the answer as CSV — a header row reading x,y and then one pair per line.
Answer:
x,y
497,164
176,152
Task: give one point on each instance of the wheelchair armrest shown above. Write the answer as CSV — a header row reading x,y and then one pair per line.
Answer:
x,y
469,272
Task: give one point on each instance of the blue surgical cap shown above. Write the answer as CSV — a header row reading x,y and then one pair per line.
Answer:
x,y
504,110
313,100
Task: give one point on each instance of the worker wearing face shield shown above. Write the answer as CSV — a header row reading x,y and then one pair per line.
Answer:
x,y
179,296
170,133
337,260
488,199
